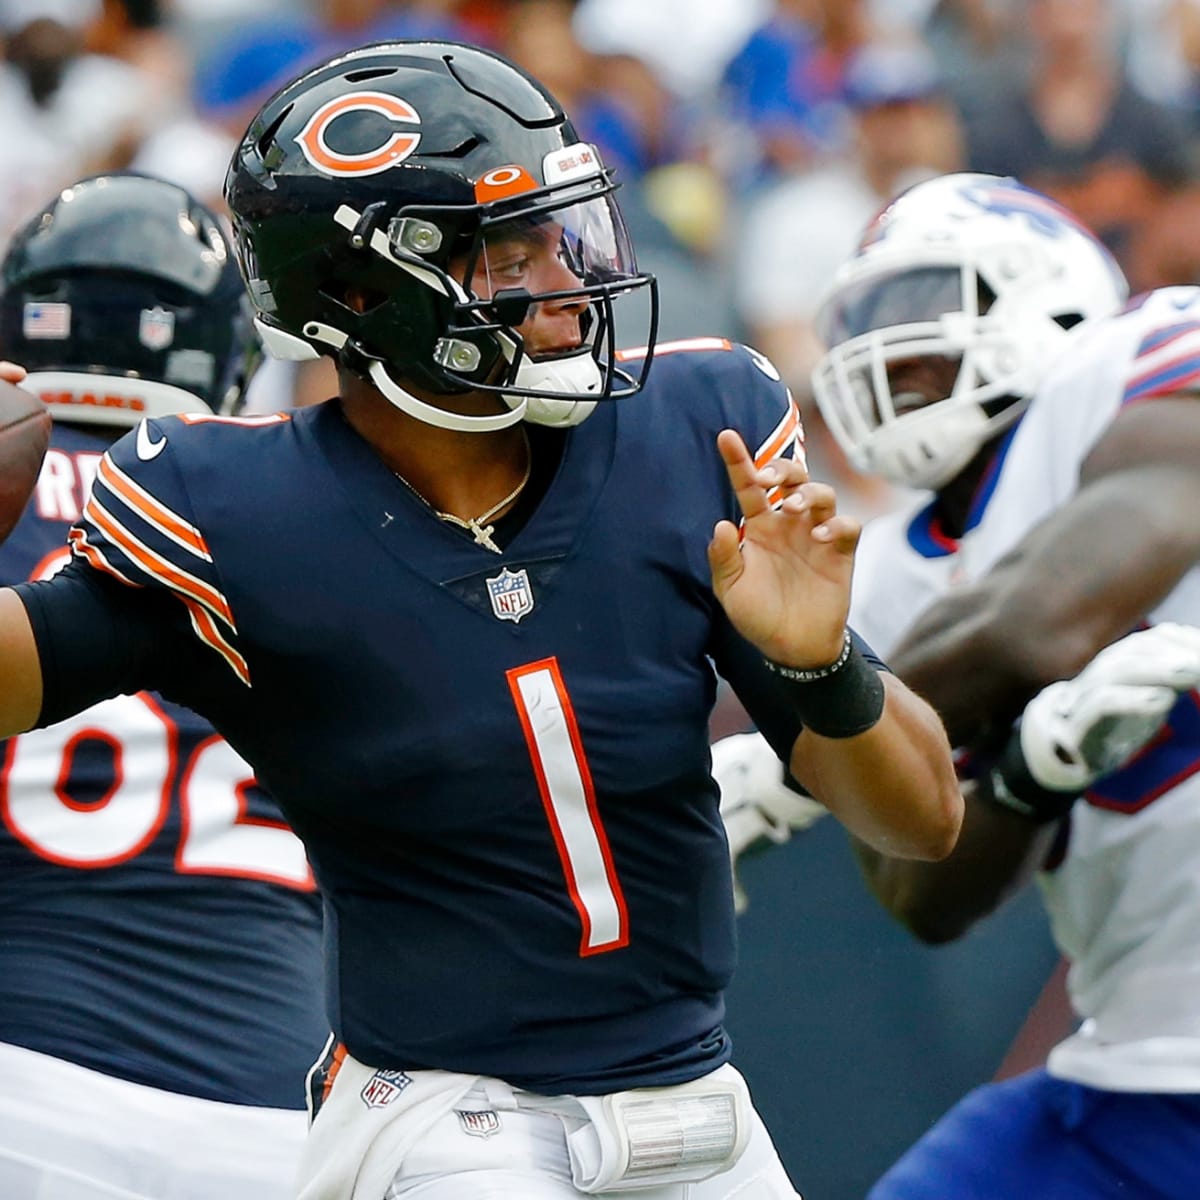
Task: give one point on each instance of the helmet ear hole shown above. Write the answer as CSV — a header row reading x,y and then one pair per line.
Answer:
x,y
1068,320
354,297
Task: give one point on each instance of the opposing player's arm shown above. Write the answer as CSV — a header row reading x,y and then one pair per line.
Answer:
x,y
1077,582
869,749
1085,576
997,852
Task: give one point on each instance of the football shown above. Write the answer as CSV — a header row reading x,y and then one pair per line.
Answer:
x,y
24,436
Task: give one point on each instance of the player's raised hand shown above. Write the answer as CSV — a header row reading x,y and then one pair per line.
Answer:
x,y
786,584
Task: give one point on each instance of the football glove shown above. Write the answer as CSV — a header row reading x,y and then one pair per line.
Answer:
x,y
758,808
1074,731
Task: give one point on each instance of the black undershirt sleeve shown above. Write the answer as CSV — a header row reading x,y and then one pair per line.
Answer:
x,y
98,638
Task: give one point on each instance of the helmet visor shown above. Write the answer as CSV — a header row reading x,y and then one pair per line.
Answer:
x,y
555,253
906,297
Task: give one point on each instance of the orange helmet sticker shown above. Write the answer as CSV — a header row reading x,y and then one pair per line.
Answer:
x,y
393,150
500,182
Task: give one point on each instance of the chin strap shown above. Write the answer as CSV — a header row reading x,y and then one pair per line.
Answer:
x,y
288,346
441,417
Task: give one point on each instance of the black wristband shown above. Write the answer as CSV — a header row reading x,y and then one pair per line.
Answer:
x,y
838,701
1014,787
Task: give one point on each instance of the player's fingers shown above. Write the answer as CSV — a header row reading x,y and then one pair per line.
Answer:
x,y
751,495
724,556
818,500
783,474
840,531
12,372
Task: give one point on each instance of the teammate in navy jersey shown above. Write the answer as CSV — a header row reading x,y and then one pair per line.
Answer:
x,y
980,351
160,986
463,620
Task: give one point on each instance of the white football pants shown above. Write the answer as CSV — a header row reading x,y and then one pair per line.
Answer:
x,y
522,1155
68,1133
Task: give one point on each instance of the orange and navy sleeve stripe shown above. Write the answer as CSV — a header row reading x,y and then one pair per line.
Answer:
x,y
786,440
138,538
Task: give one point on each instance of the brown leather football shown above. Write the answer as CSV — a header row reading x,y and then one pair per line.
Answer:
x,y
24,436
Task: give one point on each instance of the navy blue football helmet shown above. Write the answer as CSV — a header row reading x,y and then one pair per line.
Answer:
x,y
365,196
123,300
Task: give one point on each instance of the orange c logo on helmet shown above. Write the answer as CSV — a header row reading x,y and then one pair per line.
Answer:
x,y
395,148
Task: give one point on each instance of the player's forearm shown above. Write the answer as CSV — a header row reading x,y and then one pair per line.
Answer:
x,y
996,853
1084,577
20,668
892,786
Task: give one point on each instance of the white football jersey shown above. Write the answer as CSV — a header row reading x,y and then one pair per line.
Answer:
x,y
1124,902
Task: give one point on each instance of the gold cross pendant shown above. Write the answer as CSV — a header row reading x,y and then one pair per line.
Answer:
x,y
483,536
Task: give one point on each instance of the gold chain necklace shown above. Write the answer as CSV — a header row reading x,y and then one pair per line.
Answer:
x,y
475,525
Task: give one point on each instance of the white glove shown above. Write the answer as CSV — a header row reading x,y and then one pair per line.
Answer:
x,y
1076,730
756,805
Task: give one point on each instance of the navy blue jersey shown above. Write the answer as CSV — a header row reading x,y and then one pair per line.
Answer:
x,y
499,763
158,921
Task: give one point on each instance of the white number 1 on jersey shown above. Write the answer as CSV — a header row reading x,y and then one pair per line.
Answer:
x,y
565,784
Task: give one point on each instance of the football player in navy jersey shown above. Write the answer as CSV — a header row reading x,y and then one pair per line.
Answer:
x,y
160,978
463,620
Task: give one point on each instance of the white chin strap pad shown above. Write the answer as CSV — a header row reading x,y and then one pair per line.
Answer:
x,y
576,373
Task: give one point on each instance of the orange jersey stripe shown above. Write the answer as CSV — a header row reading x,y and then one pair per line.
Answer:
x,y
778,439
155,565
207,631
680,346
80,546
152,511
267,419
339,1057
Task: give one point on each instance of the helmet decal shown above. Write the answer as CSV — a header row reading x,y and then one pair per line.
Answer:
x,y
571,162
1008,198
392,151
501,182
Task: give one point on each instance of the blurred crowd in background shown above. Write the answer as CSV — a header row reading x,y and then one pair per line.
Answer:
x,y
755,138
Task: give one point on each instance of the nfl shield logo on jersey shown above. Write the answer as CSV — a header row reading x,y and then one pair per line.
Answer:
x,y
156,328
511,595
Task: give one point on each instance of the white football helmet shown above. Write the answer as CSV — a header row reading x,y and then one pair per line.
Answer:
x,y
971,268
